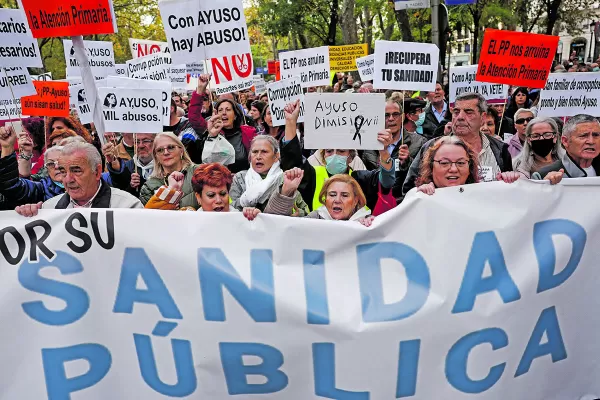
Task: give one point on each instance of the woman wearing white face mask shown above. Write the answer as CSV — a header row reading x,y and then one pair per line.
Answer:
x,y
337,161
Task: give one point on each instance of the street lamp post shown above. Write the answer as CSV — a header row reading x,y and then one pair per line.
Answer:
x,y
592,26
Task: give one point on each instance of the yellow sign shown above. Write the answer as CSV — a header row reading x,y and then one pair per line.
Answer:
x,y
343,58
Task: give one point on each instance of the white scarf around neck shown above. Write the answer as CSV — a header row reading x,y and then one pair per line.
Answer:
x,y
323,213
258,189
146,169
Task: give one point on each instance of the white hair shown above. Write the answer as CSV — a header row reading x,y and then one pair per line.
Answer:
x,y
571,124
91,153
523,110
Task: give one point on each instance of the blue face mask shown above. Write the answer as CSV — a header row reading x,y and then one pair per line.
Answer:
x,y
59,184
336,164
420,122
596,69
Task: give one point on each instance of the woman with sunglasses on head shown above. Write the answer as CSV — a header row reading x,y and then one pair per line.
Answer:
x,y
170,156
451,162
522,119
541,148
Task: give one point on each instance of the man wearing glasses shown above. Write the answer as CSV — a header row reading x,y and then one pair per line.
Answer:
x,y
522,118
18,191
581,140
130,175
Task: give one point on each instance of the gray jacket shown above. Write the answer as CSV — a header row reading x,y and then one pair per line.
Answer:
x,y
572,170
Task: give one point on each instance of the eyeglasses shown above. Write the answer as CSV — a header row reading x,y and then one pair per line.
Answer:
x,y
170,148
446,164
521,121
51,164
545,135
394,114
145,142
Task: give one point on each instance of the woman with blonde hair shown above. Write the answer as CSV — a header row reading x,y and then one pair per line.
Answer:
x,y
170,156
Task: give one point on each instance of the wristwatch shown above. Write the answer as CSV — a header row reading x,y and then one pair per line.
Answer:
x,y
389,160
25,157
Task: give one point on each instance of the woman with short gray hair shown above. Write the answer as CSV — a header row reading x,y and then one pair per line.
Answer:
x,y
541,147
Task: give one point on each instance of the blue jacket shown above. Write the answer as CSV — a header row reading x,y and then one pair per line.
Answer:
x,y
18,191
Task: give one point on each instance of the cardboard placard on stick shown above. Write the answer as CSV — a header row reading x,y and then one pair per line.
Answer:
x,y
343,58
405,65
462,80
18,48
366,67
566,95
311,65
142,47
154,67
100,54
132,83
280,94
343,121
51,100
516,58
15,81
131,110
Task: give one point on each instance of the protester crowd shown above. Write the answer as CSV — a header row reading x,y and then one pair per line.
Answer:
x,y
223,154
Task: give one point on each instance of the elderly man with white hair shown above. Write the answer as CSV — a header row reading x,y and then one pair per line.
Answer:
x,y
581,140
81,167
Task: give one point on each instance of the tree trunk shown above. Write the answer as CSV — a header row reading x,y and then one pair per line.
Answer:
x,y
368,29
332,23
387,31
348,22
404,25
303,40
476,18
552,16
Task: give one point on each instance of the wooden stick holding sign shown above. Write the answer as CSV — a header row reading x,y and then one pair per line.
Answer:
x,y
501,118
12,93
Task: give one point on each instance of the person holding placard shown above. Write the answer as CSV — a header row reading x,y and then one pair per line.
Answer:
x,y
467,118
337,161
541,148
522,118
170,156
131,175
581,140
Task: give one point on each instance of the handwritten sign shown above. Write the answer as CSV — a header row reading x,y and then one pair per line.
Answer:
x,y
280,94
51,100
343,121
462,80
516,58
405,65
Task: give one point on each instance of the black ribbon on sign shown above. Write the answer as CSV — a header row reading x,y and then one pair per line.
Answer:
x,y
359,121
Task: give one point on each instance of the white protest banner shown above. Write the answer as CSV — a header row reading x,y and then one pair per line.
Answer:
x,y
141,47
132,110
462,80
46,76
566,95
79,102
498,307
9,109
280,94
311,65
121,69
204,30
411,4
260,86
153,67
405,65
18,48
16,79
366,67
100,54
231,74
177,76
343,121
132,83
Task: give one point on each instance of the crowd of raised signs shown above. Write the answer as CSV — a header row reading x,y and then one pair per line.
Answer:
x,y
223,154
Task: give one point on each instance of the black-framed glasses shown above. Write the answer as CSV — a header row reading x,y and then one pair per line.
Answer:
x,y
545,135
394,114
521,121
447,164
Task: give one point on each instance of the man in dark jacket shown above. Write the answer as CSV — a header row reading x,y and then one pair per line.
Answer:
x,y
130,175
581,140
18,191
404,142
493,156
436,111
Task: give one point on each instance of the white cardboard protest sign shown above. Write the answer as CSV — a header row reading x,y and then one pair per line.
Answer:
x,y
395,311
343,121
100,54
196,68
9,109
405,65
133,83
178,76
46,76
411,4
154,67
280,94
366,67
462,80
142,47
260,86
231,74
311,65
80,103
131,110
567,95
121,69
204,30
18,48
17,79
